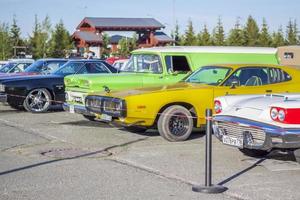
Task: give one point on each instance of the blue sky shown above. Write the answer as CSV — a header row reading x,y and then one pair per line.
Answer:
x,y
276,12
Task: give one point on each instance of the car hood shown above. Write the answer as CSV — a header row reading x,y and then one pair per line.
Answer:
x,y
163,89
28,77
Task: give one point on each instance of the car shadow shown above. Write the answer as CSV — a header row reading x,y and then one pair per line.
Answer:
x,y
154,133
88,123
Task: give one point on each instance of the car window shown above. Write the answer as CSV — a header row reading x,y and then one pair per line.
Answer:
x,y
177,63
211,75
93,68
278,75
144,63
248,76
69,68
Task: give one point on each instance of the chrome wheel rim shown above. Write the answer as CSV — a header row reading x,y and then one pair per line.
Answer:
x,y
38,100
179,124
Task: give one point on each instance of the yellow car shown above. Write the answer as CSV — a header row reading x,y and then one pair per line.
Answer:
x,y
175,109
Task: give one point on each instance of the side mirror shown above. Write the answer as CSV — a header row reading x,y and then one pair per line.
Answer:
x,y
234,83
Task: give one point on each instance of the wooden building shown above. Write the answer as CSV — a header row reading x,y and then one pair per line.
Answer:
x,y
88,36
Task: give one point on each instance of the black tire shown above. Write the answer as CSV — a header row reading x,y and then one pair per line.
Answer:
x,y
135,129
175,123
90,118
38,100
254,152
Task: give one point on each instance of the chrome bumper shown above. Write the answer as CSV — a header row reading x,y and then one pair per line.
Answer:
x,y
77,109
274,136
3,98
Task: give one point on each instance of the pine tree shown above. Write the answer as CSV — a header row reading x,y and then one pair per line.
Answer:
x,y
278,38
105,51
189,36
39,40
291,38
264,38
236,37
205,38
15,35
218,34
132,45
5,44
175,34
123,47
251,32
60,41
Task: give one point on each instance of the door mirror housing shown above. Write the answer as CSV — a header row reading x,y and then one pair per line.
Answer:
x,y
234,84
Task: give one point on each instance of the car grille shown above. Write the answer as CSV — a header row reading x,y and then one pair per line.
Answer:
x,y
235,130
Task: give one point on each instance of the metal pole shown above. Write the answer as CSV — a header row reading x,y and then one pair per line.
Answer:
x,y
208,148
208,187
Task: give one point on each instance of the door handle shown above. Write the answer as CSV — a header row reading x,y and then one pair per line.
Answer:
x,y
268,90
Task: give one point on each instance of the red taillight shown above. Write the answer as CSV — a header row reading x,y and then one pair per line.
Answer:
x,y
218,106
285,115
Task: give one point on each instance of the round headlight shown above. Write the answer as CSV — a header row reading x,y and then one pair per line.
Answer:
x,y
281,115
274,113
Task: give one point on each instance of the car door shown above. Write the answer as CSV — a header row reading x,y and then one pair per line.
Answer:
x,y
250,80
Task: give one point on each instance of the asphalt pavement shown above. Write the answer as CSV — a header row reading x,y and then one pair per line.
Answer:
x,y
58,155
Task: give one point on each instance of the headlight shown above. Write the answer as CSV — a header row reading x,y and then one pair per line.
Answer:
x,y
2,88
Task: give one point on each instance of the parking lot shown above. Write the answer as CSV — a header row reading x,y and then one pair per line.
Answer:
x,y
62,156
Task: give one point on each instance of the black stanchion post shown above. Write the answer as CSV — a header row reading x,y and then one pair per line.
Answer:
x,y
208,187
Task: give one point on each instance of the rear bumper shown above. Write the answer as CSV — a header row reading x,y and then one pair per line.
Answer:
x,y
3,98
272,137
77,109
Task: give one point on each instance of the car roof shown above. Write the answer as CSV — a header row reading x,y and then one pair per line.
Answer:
x,y
87,60
237,65
52,59
21,60
209,49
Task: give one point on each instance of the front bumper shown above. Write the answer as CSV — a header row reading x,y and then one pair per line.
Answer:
x,y
77,109
264,136
3,97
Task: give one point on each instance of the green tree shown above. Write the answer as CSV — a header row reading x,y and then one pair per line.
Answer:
x,y
204,37
39,40
175,34
291,32
189,36
236,37
105,50
264,38
278,38
123,47
132,45
15,36
218,34
5,44
60,42
251,32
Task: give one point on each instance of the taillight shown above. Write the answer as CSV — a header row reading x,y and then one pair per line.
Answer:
x,y
285,115
218,106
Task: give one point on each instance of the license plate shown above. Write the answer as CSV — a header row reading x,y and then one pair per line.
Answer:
x,y
238,142
106,117
72,109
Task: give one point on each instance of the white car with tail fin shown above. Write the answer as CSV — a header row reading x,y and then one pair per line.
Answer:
x,y
256,124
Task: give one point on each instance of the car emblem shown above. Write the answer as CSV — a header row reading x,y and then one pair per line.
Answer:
x,y
106,89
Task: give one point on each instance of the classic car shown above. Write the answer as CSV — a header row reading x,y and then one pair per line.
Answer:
x,y
38,93
175,109
41,66
156,67
2,63
256,124
16,65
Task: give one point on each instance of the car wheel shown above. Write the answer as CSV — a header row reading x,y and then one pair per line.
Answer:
x,y
254,152
90,118
37,100
135,129
175,123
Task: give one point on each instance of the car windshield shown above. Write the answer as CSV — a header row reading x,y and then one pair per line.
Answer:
x,y
44,67
69,68
143,63
6,68
211,75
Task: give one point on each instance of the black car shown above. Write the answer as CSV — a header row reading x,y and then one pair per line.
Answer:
x,y
38,93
